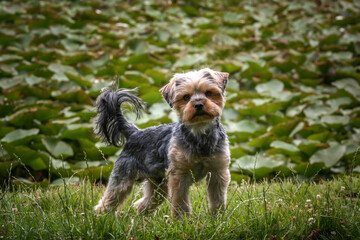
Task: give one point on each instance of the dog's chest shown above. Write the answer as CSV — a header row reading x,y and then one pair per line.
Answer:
x,y
210,163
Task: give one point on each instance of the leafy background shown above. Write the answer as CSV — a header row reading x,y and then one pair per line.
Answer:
x,y
292,100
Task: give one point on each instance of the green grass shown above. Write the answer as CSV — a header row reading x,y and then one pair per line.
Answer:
x,y
281,209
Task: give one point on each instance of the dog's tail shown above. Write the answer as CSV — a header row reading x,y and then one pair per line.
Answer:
x,y
111,125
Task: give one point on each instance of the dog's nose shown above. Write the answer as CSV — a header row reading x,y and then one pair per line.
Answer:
x,y
198,106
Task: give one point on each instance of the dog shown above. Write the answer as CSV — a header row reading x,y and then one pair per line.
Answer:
x,y
169,157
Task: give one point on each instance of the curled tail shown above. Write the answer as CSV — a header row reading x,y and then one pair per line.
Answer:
x,y
111,125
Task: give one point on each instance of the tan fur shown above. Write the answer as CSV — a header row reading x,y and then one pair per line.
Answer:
x,y
154,194
113,197
213,105
186,169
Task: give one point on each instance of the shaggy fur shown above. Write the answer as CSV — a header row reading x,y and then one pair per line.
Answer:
x,y
169,157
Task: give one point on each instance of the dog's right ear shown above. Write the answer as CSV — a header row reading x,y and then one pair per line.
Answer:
x,y
168,92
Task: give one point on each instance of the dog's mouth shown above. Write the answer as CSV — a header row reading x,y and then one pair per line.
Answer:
x,y
200,113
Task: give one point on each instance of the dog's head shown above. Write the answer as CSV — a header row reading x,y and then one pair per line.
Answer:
x,y
197,96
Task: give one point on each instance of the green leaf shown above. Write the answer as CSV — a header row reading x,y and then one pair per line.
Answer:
x,y
322,136
59,164
329,156
337,102
246,126
86,164
262,141
237,152
308,170
92,153
314,111
271,87
6,168
260,165
310,147
281,147
190,60
65,181
20,136
33,80
106,150
138,46
76,131
336,120
11,82
78,80
57,148
239,178
255,70
350,85
60,71
284,128
34,159
95,173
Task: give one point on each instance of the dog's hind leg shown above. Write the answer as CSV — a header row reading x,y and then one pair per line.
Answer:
x,y
154,194
115,194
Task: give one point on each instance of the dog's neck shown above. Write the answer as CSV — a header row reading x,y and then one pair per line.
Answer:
x,y
205,142
203,128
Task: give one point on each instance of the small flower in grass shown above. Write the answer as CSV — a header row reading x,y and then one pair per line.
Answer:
x,y
342,189
280,202
311,220
168,219
333,233
318,196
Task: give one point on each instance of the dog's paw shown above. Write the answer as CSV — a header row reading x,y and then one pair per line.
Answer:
x,y
100,207
140,205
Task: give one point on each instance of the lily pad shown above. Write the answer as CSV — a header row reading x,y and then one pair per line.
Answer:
x,y
20,136
57,148
329,156
280,147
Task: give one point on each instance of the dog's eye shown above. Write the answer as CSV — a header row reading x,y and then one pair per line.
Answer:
x,y
186,97
208,93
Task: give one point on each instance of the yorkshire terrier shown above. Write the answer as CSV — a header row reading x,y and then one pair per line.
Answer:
x,y
169,157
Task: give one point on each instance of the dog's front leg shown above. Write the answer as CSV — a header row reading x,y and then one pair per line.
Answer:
x,y
179,184
218,182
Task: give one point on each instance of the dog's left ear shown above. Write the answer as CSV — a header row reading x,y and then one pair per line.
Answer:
x,y
167,92
220,77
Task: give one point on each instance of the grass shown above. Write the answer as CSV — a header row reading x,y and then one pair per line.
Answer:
x,y
281,209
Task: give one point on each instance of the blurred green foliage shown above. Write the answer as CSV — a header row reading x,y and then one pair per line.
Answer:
x,y
292,99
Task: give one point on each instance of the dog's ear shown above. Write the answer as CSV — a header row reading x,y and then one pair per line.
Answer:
x,y
220,77
168,91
